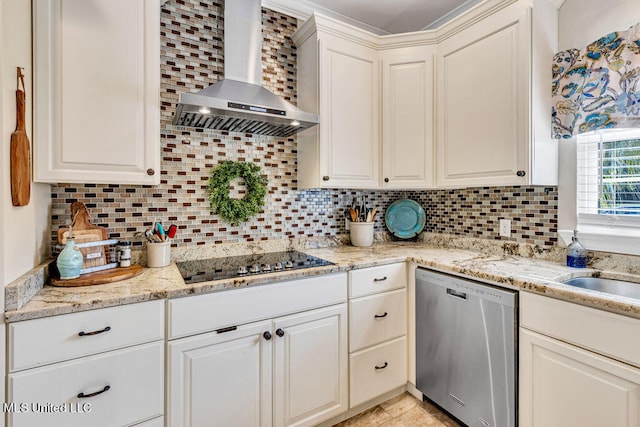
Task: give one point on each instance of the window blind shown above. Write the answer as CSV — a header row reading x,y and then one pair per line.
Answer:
x,y
608,178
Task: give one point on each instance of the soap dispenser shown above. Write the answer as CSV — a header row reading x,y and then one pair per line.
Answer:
x,y
576,253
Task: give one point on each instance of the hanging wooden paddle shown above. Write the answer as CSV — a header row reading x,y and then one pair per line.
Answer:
x,y
20,157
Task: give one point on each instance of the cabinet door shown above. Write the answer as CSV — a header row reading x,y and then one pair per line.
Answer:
x,y
310,366
221,379
562,385
349,103
407,117
97,91
483,102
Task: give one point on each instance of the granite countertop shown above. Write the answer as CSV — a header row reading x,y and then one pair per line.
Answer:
x,y
515,272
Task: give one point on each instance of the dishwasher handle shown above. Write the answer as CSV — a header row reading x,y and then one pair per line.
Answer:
x,y
453,293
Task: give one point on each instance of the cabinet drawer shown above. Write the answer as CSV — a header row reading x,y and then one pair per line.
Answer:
x,y
54,339
368,382
598,330
135,376
205,313
377,318
377,279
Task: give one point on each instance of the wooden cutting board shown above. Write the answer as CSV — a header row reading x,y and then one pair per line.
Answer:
x,y
99,277
20,152
81,225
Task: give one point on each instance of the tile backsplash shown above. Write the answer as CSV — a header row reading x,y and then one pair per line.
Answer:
x,y
191,59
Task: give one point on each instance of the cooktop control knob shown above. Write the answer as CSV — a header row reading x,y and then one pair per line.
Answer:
x,y
243,270
277,266
288,264
266,267
255,268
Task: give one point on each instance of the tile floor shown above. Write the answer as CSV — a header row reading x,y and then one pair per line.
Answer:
x,y
401,411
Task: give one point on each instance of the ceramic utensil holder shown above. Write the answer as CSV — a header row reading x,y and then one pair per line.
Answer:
x,y
361,233
158,254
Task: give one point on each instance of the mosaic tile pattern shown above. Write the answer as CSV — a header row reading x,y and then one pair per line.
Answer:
x,y
191,59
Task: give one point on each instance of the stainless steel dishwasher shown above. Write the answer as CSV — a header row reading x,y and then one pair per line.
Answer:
x,y
466,348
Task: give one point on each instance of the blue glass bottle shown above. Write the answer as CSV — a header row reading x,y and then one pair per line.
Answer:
x,y
576,253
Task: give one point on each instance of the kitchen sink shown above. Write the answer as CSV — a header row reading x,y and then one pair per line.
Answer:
x,y
609,286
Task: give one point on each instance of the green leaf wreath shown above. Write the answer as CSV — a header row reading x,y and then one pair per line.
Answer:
x,y
235,211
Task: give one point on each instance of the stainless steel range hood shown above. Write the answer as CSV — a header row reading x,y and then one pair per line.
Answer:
x,y
239,103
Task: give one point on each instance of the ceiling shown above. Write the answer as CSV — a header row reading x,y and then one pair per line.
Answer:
x,y
389,17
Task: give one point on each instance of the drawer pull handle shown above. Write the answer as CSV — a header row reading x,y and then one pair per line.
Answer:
x,y
456,294
86,334
382,279
84,396
383,366
279,332
380,316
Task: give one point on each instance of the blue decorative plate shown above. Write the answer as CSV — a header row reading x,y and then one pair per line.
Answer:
x,y
405,218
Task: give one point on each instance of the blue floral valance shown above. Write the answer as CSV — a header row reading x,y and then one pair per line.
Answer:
x,y
597,87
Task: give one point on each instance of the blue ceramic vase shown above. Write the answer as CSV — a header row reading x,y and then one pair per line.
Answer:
x,y
69,261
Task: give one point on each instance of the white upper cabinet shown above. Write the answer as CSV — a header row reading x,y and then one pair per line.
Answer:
x,y
338,78
97,91
407,117
468,104
493,100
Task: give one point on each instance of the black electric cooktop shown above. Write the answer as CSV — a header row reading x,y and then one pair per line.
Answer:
x,y
246,265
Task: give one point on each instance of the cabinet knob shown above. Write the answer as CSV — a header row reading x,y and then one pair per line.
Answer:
x,y
267,335
386,180
151,172
521,173
279,332
382,366
325,178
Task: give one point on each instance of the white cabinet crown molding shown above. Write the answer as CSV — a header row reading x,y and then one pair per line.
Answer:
x,y
315,18
319,19
325,24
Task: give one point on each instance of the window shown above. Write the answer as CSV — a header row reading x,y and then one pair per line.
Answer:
x,y
608,179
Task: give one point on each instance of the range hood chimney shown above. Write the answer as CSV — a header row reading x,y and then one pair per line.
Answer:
x,y
239,103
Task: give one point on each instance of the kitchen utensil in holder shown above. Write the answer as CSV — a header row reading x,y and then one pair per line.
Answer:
x,y
361,233
158,254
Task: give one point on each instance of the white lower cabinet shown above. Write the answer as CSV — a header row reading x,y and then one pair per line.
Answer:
x,y
377,331
288,369
562,384
116,388
96,368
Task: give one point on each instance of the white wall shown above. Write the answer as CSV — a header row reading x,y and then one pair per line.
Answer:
x,y
25,230
3,203
580,23
584,21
